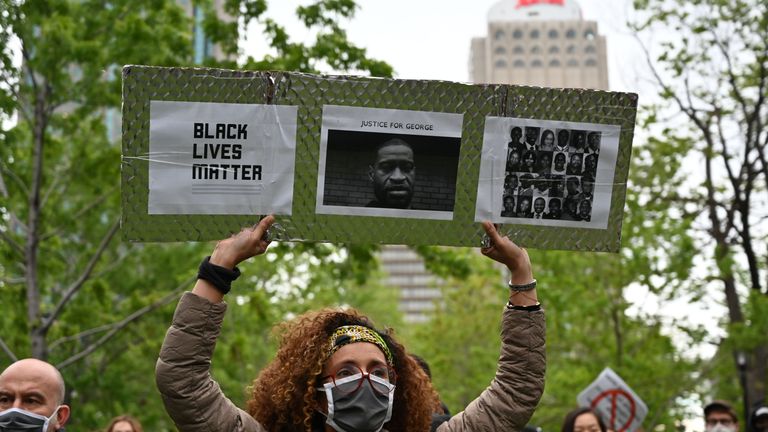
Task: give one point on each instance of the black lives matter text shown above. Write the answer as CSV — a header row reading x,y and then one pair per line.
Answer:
x,y
225,152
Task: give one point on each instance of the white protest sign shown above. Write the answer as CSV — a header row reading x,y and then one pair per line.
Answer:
x,y
614,400
221,158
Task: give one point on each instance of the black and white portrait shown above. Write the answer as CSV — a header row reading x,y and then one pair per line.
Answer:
x,y
375,168
550,173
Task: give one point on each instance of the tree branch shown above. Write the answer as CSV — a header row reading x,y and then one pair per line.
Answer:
x,y
85,209
735,182
689,111
51,188
76,285
82,334
735,89
8,351
127,320
20,107
28,65
15,246
16,179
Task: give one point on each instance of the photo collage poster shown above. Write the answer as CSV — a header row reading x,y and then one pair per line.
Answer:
x,y
548,173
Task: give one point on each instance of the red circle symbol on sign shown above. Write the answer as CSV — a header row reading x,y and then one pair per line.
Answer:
x,y
612,396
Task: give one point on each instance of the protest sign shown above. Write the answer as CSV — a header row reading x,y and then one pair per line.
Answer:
x,y
351,159
619,406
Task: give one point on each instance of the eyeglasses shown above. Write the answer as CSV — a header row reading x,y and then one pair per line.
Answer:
x,y
349,378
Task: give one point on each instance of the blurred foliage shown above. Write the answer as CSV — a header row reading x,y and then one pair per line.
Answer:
x,y
588,328
709,60
60,208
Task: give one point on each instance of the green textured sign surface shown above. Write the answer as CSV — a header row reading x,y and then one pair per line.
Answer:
x,y
476,158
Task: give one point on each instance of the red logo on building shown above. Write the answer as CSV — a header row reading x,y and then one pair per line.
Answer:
x,y
524,3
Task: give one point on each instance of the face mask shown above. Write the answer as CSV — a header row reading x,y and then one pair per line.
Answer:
x,y
719,427
19,420
363,410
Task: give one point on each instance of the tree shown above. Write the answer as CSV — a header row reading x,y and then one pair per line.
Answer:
x,y
711,67
589,327
72,292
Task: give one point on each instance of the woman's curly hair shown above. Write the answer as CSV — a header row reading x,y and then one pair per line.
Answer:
x,y
284,397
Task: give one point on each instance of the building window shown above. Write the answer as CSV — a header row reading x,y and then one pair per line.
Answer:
x,y
517,34
591,62
553,34
500,50
554,63
554,49
571,49
589,34
519,64
570,34
573,63
534,34
500,64
499,35
589,49
536,64
519,49
535,49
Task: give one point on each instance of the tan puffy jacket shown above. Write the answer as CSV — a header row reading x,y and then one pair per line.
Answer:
x,y
196,403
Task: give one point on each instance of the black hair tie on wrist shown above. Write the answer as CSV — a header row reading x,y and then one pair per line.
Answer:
x,y
221,278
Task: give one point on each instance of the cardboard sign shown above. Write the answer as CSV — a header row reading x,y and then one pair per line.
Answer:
x,y
620,408
350,159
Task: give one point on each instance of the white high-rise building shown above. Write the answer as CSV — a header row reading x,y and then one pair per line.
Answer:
x,y
541,43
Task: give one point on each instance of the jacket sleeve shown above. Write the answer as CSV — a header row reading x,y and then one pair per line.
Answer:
x,y
192,398
508,403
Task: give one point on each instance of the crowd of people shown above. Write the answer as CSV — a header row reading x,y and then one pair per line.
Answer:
x,y
334,369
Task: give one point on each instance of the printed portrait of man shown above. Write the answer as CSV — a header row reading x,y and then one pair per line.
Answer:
x,y
515,135
538,207
585,210
562,140
393,174
513,161
559,164
509,206
375,173
531,137
578,138
554,209
573,187
574,164
593,142
510,184
590,165
524,207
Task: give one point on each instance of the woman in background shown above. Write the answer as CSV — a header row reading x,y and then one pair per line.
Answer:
x,y
124,423
583,420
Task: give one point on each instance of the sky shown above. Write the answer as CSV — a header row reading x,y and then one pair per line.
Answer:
x,y
429,39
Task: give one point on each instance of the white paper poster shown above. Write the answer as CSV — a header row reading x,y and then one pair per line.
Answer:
x,y
390,163
221,158
548,173
620,408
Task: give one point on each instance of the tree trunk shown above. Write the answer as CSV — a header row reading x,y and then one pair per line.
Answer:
x,y
37,338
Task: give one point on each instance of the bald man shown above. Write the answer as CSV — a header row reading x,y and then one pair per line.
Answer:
x,y
32,397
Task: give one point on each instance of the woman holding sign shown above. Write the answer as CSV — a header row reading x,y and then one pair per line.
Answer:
x,y
334,371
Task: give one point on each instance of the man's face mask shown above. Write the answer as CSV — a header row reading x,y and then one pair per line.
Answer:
x,y
359,403
721,426
19,420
